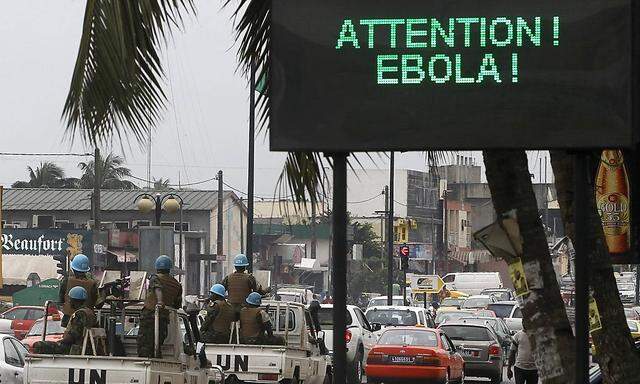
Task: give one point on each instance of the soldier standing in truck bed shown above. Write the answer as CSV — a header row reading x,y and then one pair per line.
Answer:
x,y
164,290
240,284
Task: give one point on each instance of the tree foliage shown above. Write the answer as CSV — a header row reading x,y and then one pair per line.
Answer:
x,y
116,86
111,170
46,175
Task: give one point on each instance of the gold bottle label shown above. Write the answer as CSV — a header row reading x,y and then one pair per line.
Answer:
x,y
612,200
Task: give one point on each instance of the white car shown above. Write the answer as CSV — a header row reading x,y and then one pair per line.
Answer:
x,y
12,354
359,337
385,316
510,312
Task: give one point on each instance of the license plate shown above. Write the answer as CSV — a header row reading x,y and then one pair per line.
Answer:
x,y
470,353
402,359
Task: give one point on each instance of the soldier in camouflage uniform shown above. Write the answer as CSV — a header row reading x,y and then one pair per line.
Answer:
x,y
81,319
220,314
240,284
79,278
164,290
255,323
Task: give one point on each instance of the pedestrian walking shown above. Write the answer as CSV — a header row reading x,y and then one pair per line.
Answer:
x,y
521,360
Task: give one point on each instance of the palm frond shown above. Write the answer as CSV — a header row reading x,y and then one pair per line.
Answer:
x,y
116,84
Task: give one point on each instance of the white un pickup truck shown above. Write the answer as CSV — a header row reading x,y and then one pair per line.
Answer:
x,y
300,360
178,365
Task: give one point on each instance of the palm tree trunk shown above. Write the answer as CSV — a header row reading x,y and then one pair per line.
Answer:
x,y
615,348
544,316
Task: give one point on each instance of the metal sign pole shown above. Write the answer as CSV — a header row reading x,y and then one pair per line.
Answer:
x,y
390,249
339,266
581,269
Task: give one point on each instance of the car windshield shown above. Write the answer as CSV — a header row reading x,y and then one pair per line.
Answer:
x,y
633,326
476,302
378,301
441,317
499,295
412,338
53,328
450,302
501,310
467,333
392,316
325,316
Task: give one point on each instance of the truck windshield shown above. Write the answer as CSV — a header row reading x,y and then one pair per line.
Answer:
x,y
290,297
325,315
392,317
412,338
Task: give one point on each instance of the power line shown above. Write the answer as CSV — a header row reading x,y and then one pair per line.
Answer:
x,y
174,185
361,201
45,154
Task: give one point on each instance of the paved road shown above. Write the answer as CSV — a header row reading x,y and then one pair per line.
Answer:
x,y
478,380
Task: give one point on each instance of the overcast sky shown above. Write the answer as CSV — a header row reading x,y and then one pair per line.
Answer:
x,y
204,128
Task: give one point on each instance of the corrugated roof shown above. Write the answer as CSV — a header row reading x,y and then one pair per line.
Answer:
x,y
50,199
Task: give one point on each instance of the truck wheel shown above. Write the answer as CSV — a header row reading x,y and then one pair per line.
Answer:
x,y
355,376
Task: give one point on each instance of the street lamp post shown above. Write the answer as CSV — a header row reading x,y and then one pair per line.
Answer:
x,y
170,202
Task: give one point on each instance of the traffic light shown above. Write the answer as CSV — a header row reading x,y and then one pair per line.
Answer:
x,y
61,265
404,257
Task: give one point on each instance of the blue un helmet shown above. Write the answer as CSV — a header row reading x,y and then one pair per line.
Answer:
x,y
80,263
219,290
78,293
164,262
254,298
240,261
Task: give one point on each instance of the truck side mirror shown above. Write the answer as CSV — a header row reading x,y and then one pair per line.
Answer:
x,y
376,327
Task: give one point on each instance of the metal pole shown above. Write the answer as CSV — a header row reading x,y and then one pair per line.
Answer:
x,y
158,209
180,253
96,203
250,181
156,332
637,299
581,270
445,234
219,240
390,233
339,262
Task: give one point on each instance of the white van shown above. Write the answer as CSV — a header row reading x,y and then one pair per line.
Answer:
x,y
472,283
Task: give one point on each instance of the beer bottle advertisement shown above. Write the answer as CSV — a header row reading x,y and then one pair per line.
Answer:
x,y
613,202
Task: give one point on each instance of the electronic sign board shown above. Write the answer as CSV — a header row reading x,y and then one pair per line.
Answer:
x,y
366,75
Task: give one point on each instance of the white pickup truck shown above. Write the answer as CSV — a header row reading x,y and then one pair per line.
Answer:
x,y
179,364
300,360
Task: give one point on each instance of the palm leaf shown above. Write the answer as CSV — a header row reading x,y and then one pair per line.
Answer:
x,y
116,87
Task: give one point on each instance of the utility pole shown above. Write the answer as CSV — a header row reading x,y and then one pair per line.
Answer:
x,y
390,233
219,242
250,181
313,229
96,202
96,189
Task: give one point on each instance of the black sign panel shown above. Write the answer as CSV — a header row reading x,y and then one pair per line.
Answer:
x,y
364,75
